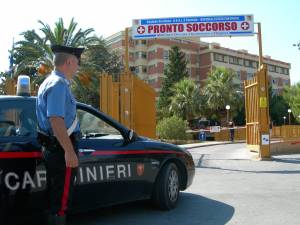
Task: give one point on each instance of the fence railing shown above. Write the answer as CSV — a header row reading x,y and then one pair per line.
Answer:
x,y
286,132
224,134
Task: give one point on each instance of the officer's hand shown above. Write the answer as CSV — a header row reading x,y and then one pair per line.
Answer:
x,y
71,159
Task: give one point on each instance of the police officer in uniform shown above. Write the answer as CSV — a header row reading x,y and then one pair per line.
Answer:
x,y
59,131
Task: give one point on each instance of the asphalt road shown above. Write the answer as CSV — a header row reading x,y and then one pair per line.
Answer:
x,y
229,188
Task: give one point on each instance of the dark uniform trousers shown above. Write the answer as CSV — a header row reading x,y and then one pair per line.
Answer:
x,y
60,179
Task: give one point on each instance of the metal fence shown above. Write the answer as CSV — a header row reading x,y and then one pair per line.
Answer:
x,y
130,101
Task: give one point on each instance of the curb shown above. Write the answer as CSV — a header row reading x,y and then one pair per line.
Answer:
x,y
211,144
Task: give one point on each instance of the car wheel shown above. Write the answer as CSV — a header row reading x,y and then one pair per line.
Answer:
x,y
166,189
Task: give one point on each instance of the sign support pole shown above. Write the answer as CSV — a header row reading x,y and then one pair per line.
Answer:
x,y
259,44
126,50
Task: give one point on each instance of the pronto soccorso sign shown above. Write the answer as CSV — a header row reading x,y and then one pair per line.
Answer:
x,y
203,26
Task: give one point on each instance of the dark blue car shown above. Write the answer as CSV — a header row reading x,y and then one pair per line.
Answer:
x,y
116,165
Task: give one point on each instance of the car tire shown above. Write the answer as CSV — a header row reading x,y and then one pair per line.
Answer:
x,y
166,189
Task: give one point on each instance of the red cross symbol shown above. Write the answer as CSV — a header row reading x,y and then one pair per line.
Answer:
x,y
141,29
245,25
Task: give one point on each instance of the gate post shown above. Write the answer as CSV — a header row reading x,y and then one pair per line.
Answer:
x,y
264,128
257,114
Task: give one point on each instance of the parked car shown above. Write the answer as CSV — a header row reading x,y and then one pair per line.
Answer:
x,y
116,164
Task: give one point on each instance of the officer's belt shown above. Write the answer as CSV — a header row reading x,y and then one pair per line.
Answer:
x,y
49,140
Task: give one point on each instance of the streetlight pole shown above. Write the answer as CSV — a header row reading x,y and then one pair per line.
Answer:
x,y
289,111
227,109
284,120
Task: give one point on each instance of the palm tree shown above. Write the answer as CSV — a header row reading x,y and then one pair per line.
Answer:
x,y
220,90
186,98
33,54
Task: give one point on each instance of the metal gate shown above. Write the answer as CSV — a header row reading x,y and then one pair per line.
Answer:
x,y
257,113
130,101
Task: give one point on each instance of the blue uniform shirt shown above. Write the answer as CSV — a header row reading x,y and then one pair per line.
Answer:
x,y
55,99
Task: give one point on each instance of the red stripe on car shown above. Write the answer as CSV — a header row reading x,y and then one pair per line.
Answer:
x,y
135,152
16,155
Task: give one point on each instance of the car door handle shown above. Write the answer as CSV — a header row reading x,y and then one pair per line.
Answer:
x,y
86,150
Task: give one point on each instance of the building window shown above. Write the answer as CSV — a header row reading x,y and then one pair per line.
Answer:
x,y
225,58
277,69
151,81
235,60
253,64
271,68
219,57
131,54
166,54
144,69
151,67
144,55
247,63
140,42
136,55
241,62
137,69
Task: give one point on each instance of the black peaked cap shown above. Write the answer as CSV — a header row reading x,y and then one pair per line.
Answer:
x,y
69,50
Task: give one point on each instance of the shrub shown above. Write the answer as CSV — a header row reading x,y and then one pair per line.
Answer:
x,y
172,128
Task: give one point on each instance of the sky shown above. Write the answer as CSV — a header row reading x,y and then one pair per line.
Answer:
x,y
279,20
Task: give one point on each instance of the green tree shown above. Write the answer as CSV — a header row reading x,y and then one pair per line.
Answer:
x,y
221,90
292,96
175,70
186,99
3,78
96,60
34,51
33,56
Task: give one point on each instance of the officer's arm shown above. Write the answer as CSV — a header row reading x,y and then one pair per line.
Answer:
x,y
60,132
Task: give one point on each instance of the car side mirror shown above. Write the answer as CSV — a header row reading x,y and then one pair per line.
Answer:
x,y
131,135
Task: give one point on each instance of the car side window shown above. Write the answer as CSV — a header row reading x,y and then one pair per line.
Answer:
x,y
17,119
92,126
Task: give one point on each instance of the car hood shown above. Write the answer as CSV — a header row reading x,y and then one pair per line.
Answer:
x,y
156,144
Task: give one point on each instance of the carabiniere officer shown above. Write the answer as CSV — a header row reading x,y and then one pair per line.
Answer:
x,y
59,131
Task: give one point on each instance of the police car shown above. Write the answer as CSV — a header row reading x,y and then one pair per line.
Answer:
x,y
116,164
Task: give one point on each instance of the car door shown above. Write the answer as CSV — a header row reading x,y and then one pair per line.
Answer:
x,y
111,170
22,174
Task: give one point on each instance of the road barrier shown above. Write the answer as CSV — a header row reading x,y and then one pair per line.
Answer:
x,y
224,134
286,132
